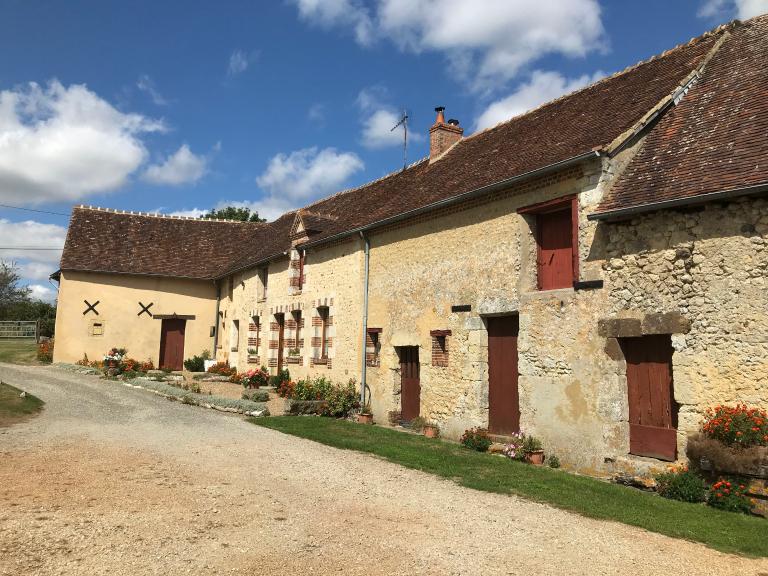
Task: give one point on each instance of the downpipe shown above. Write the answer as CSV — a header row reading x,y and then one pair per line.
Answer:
x,y
363,380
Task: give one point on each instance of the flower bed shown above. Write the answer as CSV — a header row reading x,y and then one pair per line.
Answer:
x,y
732,447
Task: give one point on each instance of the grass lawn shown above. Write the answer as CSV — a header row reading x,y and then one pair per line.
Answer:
x,y
18,351
729,532
14,408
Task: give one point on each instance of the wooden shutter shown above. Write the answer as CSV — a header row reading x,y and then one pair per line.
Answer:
x,y
555,250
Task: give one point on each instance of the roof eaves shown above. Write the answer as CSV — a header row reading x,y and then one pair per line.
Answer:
x,y
487,189
624,213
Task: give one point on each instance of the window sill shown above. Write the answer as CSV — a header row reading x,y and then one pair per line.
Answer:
x,y
321,361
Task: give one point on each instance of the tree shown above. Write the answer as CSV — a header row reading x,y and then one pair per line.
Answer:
x,y
234,213
10,291
15,303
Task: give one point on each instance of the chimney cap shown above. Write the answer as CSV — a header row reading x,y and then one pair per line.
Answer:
x,y
453,122
439,108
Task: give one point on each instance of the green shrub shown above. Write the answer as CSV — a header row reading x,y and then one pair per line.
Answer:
x,y
256,396
282,376
681,484
195,364
417,424
553,461
341,400
531,444
729,495
476,439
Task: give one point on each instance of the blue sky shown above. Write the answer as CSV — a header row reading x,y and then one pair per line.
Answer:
x,y
180,106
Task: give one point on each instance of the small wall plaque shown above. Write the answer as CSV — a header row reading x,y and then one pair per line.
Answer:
x,y
461,308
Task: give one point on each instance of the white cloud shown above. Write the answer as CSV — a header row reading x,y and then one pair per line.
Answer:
x,y
308,173
329,13
316,114
63,143
182,167
486,45
239,61
33,264
37,270
542,87
191,213
44,293
378,119
147,85
741,9
16,235
292,180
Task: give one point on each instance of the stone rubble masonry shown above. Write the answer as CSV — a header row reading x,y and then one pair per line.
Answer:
x,y
698,275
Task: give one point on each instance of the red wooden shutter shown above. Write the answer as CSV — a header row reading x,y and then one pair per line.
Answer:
x,y
555,250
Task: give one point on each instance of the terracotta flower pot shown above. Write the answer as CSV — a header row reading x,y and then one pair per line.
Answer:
x,y
431,431
536,457
365,418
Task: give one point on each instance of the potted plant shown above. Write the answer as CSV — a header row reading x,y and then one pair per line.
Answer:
x,y
533,450
431,430
365,416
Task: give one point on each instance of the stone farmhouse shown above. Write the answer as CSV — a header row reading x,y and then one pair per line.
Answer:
x,y
594,271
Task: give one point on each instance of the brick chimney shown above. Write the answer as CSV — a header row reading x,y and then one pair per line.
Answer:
x,y
442,134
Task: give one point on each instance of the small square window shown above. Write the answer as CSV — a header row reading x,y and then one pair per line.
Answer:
x,y
97,329
372,347
440,347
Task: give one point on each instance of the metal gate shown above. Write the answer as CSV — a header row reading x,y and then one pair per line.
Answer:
x,y
19,329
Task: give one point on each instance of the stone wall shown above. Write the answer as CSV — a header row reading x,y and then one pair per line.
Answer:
x,y
485,256
703,275
333,278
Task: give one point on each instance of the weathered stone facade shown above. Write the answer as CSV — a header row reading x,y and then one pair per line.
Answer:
x,y
702,276
332,278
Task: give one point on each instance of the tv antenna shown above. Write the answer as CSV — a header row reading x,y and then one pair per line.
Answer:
x,y
404,123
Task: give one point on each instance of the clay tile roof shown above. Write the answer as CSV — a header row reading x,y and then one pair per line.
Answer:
x,y
568,128
714,140
100,240
571,126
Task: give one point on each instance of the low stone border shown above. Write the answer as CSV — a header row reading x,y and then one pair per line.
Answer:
x,y
160,388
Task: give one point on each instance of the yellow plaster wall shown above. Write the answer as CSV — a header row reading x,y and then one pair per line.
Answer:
x,y
119,296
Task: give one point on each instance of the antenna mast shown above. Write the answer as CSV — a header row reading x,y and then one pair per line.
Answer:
x,y
404,123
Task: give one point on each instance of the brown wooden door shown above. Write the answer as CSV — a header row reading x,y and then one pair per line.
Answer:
x,y
652,407
555,250
410,386
503,395
172,343
280,318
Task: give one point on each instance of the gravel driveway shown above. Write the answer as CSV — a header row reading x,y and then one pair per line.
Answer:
x,y
113,480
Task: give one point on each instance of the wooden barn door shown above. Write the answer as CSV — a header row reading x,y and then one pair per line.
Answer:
x,y
410,386
652,407
172,343
503,396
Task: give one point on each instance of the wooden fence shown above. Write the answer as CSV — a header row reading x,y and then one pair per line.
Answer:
x,y
20,329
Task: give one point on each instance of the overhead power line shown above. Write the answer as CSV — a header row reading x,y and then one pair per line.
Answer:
x,y
33,210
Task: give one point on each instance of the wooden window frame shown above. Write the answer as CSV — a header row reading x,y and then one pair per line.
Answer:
x,y
324,313
302,257
264,279
234,331
557,205
257,323
374,335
